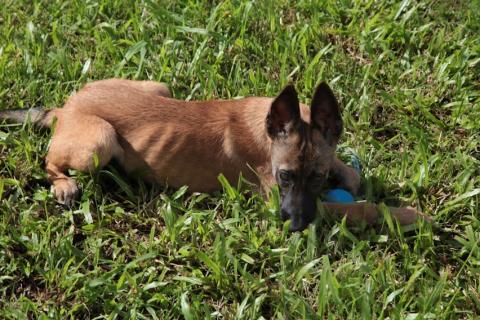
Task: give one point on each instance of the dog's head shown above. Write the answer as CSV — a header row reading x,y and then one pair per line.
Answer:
x,y
302,151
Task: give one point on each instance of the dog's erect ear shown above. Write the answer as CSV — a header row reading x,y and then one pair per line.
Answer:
x,y
284,114
325,114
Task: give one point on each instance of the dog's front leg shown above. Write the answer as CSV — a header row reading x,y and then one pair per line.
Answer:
x,y
346,177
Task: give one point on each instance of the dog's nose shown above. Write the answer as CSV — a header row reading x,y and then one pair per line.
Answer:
x,y
297,223
284,215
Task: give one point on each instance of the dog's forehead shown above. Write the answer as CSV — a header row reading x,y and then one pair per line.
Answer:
x,y
317,157
298,152
316,154
287,152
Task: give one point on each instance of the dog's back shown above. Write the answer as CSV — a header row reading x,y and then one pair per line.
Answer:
x,y
164,139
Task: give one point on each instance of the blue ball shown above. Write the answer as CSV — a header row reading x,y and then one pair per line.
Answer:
x,y
339,195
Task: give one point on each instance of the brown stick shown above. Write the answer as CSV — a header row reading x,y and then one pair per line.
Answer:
x,y
369,212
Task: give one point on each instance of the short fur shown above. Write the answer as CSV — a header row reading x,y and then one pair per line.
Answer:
x,y
190,143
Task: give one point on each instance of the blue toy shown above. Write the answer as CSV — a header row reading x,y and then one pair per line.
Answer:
x,y
339,195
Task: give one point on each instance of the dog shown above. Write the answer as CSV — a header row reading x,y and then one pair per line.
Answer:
x,y
164,140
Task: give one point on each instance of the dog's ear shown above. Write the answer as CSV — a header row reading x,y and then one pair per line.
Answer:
x,y
325,114
284,114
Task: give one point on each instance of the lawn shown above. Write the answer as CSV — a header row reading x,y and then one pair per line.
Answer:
x,y
407,74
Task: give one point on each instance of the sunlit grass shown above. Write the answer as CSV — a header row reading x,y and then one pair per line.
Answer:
x,y
407,76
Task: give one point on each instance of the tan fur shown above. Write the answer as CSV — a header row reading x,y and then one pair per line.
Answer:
x,y
167,140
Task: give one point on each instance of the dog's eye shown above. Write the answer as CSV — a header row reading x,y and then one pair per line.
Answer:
x,y
285,177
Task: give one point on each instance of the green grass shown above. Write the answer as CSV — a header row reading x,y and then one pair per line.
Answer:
x,y
407,74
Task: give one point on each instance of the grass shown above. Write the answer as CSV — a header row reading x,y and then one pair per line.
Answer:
x,y
407,74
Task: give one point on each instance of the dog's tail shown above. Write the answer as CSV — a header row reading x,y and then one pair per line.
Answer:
x,y
40,117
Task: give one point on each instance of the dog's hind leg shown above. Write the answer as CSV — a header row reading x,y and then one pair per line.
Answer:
x,y
81,142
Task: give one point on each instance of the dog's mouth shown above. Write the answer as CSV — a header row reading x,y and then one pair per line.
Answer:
x,y
299,219
298,223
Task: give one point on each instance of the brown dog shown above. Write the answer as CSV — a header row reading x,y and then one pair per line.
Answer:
x,y
268,140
